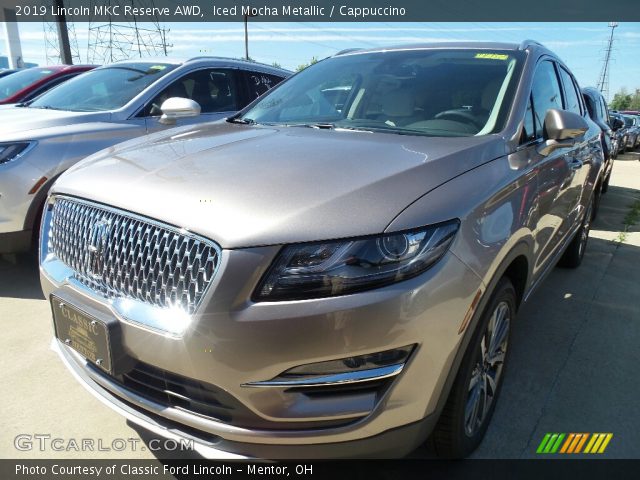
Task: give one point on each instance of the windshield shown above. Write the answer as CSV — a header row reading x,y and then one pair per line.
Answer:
x,y
436,92
12,84
103,89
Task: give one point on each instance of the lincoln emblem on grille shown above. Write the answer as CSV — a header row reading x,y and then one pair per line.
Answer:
x,y
97,243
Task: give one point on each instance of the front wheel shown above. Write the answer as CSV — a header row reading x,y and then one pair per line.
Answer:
x,y
597,196
573,255
605,184
469,408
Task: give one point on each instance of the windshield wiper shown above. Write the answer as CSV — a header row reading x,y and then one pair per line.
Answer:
x,y
25,104
321,126
325,126
44,107
241,121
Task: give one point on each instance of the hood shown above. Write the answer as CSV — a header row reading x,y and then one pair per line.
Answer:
x,y
23,120
258,185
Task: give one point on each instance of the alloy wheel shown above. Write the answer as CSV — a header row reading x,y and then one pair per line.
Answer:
x,y
487,372
584,231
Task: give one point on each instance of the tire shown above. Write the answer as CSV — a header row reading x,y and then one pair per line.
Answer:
x,y
596,201
605,184
472,400
35,232
573,255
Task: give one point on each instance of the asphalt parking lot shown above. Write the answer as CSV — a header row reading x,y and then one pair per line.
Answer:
x,y
573,361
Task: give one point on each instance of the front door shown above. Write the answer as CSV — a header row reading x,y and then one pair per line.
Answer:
x,y
214,89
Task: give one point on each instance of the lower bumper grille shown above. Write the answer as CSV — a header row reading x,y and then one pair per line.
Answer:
x,y
201,398
180,392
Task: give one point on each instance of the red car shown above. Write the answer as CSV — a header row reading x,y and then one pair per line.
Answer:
x,y
27,84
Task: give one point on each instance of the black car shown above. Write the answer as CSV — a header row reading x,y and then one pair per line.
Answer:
x,y
599,113
620,133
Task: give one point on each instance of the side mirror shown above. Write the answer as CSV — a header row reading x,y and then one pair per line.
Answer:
x,y
178,107
616,124
561,130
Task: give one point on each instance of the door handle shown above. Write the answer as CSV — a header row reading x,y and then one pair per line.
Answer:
x,y
575,164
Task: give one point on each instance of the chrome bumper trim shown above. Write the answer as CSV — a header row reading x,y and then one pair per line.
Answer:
x,y
346,378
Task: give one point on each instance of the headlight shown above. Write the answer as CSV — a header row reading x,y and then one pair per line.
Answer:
x,y
332,268
12,151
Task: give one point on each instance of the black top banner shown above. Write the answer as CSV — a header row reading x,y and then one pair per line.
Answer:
x,y
323,10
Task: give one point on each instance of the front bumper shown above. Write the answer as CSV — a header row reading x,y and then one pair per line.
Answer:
x,y
17,178
394,443
232,341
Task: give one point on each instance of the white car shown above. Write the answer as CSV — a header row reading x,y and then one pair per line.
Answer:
x,y
41,139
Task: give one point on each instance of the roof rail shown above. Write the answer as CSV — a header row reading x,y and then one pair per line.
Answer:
x,y
527,43
347,50
242,60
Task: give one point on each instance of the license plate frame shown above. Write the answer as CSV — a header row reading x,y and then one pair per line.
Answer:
x,y
83,332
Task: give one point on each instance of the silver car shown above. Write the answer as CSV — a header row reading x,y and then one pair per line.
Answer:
x,y
334,271
41,139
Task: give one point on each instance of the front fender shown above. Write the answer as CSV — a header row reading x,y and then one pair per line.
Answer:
x,y
495,203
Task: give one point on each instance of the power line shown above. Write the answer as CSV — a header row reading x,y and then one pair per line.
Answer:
x,y
255,25
54,44
603,83
334,32
111,41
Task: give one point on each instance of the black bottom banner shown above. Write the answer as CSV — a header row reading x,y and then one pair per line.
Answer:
x,y
584,469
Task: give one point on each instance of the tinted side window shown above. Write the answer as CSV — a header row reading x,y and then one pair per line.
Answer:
x,y
591,106
605,110
546,93
260,83
528,130
600,112
214,90
571,97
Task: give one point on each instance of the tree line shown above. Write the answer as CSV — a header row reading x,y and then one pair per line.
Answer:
x,y
623,100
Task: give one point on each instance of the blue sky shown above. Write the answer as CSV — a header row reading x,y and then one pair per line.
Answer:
x,y
580,45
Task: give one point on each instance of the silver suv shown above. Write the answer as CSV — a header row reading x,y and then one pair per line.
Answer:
x,y
40,139
334,271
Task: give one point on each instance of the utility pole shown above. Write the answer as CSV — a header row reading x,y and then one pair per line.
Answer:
x,y
60,38
9,23
603,83
63,34
246,34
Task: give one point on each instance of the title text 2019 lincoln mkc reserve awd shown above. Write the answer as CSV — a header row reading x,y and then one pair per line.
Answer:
x,y
335,270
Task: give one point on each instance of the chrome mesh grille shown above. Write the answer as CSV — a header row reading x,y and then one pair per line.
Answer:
x,y
135,258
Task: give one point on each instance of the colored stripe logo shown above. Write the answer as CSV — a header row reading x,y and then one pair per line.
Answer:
x,y
574,443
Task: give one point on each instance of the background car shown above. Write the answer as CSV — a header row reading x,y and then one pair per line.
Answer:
x,y
599,113
637,128
617,125
620,133
27,84
347,287
633,131
105,106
